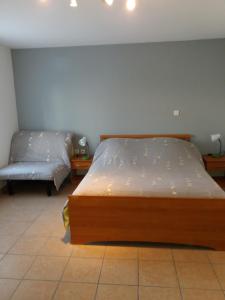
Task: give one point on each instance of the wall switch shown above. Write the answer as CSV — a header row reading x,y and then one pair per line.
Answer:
x,y
176,113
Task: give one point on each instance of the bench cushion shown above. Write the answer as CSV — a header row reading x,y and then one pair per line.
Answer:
x,y
52,171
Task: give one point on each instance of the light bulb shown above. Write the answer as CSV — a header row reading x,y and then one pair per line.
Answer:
x,y
131,4
109,2
73,3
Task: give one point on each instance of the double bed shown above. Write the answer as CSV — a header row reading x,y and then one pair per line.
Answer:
x,y
148,188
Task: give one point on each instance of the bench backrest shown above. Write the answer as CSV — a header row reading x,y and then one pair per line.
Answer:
x,y
41,146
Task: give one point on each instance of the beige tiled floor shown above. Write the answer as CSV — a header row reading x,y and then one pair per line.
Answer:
x,y
35,290
36,264
119,271
157,273
85,270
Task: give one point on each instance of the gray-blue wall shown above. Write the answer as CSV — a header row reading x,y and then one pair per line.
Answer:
x,y
124,89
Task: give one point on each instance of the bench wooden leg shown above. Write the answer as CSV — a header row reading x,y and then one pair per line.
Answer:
x,y
10,187
49,189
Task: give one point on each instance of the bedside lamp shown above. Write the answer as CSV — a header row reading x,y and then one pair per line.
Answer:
x,y
214,138
84,144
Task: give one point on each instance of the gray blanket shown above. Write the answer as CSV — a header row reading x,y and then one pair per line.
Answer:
x,y
157,167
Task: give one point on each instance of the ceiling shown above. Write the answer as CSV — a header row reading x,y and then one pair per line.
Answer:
x,y
32,23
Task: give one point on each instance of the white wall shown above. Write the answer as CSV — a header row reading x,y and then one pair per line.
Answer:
x,y
8,111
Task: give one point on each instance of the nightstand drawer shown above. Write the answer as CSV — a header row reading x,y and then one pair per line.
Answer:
x,y
215,166
77,163
80,164
214,163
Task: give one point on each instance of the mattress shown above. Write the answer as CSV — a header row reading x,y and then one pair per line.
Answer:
x,y
151,167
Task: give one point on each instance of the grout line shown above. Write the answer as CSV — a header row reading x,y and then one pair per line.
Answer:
x,y
27,254
64,269
19,283
173,287
21,279
214,271
176,271
3,255
111,284
103,259
22,234
167,261
35,256
7,253
138,265
47,255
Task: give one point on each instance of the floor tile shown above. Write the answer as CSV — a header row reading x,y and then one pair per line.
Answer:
x,y
217,257
88,251
190,256
117,292
15,266
121,252
35,290
28,245
196,275
13,228
155,254
56,247
155,293
152,273
118,271
75,291
191,294
6,242
220,272
47,226
47,268
7,288
83,270
38,229
59,229
15,213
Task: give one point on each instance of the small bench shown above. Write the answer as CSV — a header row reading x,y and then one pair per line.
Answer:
x,y
39,155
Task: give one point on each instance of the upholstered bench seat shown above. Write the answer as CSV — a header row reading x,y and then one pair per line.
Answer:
x,y
52,171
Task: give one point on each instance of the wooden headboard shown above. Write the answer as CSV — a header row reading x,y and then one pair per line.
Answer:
x,y
186,137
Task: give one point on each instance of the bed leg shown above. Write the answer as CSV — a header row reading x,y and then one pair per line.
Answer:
x,y
10,187
48,189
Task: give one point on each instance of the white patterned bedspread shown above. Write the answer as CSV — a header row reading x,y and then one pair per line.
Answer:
x,y
157,167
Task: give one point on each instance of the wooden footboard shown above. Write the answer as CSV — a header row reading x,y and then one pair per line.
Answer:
x,y
198,222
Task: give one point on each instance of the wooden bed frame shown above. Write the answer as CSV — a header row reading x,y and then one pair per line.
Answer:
x,y
190,221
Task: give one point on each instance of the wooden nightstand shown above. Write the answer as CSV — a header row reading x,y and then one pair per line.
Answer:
x,y
79,164
215,164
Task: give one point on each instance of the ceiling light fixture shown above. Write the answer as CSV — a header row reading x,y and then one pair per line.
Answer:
x,y
73,3
109,2
131,4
